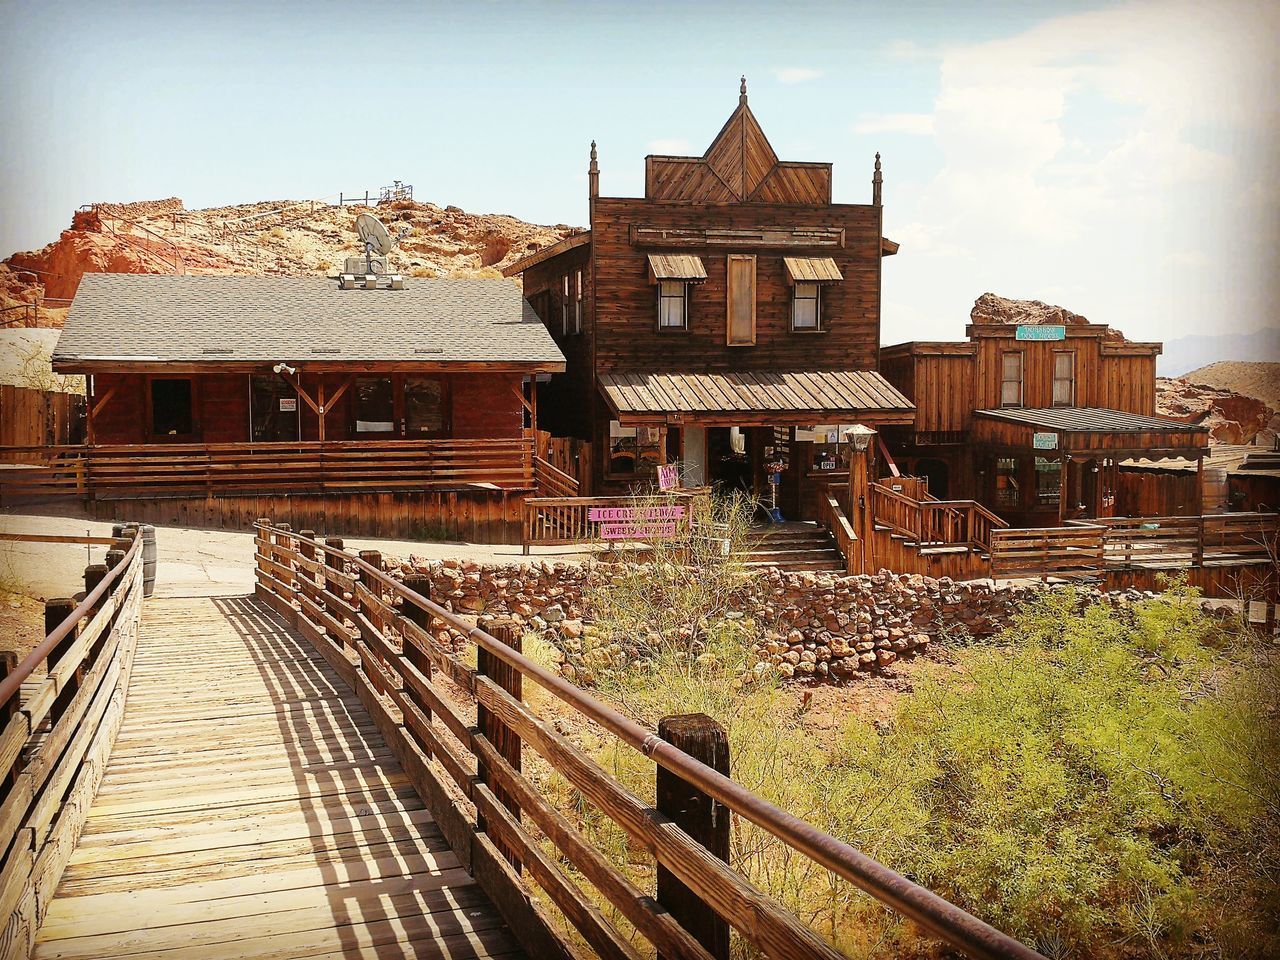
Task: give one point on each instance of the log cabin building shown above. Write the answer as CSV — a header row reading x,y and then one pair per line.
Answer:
x,y
727,319
1033,420
244,387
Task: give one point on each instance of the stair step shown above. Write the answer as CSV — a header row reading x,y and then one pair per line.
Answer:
x,y
828,566
783,557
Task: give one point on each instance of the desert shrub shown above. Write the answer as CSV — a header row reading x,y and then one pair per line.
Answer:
x,y
1106,783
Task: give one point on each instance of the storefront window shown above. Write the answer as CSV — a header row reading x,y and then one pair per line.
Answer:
x,y
172,408
424,407
1048,482
375,405
830,451
634,451
1008,493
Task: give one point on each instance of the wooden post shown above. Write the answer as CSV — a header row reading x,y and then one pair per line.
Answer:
x,y
56,611
306,549
8,664
334,562
420,584
861,510
93,575
704,819
494,730
1062,488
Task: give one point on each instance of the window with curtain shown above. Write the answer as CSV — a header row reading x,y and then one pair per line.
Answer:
x,y
806,306
673,302
1064,378
1011,379
1048,482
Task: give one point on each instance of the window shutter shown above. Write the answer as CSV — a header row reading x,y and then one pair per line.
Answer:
x,y
742,300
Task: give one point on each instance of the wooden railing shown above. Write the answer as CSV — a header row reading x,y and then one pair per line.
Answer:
x,y
551,481
552,521
62,708
934,522
303,467
1091,547
832,516
400,652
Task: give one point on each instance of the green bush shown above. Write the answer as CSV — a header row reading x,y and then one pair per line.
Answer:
x,y
1104,783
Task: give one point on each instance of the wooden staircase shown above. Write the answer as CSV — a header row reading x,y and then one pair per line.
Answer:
x,y
793,547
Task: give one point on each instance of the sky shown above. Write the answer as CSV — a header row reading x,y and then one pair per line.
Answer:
x,y
1119,159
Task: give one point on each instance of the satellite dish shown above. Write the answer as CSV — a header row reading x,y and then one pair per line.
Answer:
x,y
375,236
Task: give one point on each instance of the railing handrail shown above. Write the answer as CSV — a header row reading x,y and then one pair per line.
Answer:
x,y
952,924
13,682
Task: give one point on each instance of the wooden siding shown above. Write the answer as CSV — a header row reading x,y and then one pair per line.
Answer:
x,y
625,328
30,417
564,406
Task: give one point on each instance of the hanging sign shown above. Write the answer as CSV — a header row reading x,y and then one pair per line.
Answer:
x,y
1040,331
1044,441
288,404
668,476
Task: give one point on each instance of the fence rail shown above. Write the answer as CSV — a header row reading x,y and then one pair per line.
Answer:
x,y
385,638
305,467
931,522
58,733
554,521
552,481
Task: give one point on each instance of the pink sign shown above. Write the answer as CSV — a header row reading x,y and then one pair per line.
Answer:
x,y
633,514
668,476
637,531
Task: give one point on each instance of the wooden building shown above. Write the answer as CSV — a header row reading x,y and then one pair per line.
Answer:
x,y
727,319
244,386
1033,420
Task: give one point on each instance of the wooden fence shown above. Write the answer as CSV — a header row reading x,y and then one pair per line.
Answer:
x,y
553,521
298,468
59,728
39,418
1090,548
392,644
931,522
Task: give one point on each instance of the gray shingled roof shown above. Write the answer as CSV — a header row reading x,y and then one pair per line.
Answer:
x,y
141,317
1090,420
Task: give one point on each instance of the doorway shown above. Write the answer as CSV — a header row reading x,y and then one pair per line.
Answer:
x,y
728,461
273,410
935,472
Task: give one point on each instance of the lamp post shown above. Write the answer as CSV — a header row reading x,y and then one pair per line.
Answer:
x,y
859,438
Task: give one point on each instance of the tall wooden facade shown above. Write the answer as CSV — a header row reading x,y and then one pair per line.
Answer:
x,y
727,319
1032,420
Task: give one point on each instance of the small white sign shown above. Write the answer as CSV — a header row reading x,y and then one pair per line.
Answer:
x,y
288,404
1044,441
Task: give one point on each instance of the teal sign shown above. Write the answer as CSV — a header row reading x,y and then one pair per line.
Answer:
x,y
1040,331
1044,441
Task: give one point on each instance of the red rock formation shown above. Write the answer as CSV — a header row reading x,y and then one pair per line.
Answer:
x,y
1230,417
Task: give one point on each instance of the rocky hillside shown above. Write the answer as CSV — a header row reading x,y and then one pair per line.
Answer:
x,y
1238,400
992,308
283,238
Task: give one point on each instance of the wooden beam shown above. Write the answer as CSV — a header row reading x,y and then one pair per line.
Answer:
x,y
293,381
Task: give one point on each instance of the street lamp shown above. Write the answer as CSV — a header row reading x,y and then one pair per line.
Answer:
x,y
859,435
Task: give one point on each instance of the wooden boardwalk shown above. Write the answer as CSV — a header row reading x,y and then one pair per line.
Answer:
x,y
250,809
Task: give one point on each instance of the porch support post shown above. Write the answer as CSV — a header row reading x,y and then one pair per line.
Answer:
x,y
1200,485
1063,489
860,505
322,412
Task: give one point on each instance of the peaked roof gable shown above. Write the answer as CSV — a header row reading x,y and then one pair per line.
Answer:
x,y
740,165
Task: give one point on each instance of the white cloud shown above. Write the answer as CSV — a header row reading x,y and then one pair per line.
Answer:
x,y
796,74
677,148
919,124
1113,155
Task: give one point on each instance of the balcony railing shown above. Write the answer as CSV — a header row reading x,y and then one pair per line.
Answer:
x,y
236,468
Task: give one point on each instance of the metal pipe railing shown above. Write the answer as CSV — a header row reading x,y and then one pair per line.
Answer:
x,y
948,922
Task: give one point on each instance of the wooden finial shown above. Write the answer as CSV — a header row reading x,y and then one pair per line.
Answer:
x,y
593,174
742,90
877,181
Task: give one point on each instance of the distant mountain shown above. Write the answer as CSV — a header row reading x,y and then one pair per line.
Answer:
x,y
1184,354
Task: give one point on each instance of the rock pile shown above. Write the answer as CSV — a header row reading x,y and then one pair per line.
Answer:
x,y
811,626
1231,417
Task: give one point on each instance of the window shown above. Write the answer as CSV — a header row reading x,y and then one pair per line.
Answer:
x,y
577,302
673,305
172,408
564,305
806,306
1064,378
741,325
1011,379
1048,482
375,405
634,451
273,409
425,411
1008,493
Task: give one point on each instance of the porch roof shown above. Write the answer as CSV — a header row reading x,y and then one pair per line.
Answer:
x,y
1090,430
800,397
117,320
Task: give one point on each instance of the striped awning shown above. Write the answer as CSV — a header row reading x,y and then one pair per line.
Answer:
x,y
788,397
812,269
677,266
